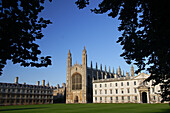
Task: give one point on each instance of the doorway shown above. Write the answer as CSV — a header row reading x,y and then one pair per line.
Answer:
x,y
144,97
76,100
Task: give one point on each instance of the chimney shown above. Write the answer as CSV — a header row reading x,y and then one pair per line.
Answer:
x,y
43,83
38,83
16,80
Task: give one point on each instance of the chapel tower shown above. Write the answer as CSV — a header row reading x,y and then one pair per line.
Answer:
x,y
76,91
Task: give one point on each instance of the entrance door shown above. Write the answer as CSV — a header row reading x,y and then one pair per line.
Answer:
x,y
76,100
144,97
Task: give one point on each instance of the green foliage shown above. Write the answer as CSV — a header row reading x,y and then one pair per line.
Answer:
x,y
145,38
87,108
19,28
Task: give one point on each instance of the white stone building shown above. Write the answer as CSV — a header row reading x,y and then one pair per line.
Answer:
x,y
129,89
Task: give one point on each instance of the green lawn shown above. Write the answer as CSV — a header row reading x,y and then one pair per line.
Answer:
x,y
87,108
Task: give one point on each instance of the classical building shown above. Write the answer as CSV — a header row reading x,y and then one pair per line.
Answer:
x,y
125,89
86,85
22,94
59,94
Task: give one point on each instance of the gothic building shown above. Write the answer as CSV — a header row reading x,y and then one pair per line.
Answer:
x,y
86,85
79,81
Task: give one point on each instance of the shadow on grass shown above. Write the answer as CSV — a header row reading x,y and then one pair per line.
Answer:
x,y
22,109
164,111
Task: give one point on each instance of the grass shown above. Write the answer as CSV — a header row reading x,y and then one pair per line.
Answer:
x,y
87,108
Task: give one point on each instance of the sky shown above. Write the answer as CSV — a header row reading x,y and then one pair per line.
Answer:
x,y
72,29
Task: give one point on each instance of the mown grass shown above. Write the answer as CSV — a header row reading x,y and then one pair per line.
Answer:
x,y
87,108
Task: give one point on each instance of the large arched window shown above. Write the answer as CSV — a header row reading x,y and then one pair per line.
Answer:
x,y
76,82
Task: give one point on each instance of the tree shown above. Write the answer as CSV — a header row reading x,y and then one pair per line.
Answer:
x,y
19,28
146,35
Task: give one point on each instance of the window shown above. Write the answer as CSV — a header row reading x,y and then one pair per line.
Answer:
x,y
96,92
100,85
128,98
100,98
100,91
115,84
153,97
117,98
134,82
95,98
116,91
111,98
110,91
127,83
136,98
105,91
122,91
105,85
121,83
95,85
76,82
128,91
122,97
135,90
110,84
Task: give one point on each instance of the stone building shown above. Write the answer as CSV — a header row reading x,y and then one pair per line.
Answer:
x,y
86,85
79,81
59,94
125,89
22,94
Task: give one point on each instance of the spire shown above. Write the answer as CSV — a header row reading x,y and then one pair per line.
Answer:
x,y
69,53
132,70
126,74
123,73
113,71
105,72
109,70
96,65
84,50
101,67
91,65
119,71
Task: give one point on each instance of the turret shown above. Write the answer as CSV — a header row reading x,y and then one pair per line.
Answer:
x,y
119,73
64,85
105,72
132,71
113,71
58,86
96,65
84,57
110,72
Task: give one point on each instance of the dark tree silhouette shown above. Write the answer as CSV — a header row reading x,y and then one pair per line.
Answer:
x,y
19,28
146,35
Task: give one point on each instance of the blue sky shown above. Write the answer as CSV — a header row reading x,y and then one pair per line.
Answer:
x,y
71,29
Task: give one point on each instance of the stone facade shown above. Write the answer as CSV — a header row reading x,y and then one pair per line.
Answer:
x,y
59,94
22,94
130,89
88,84
79,83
